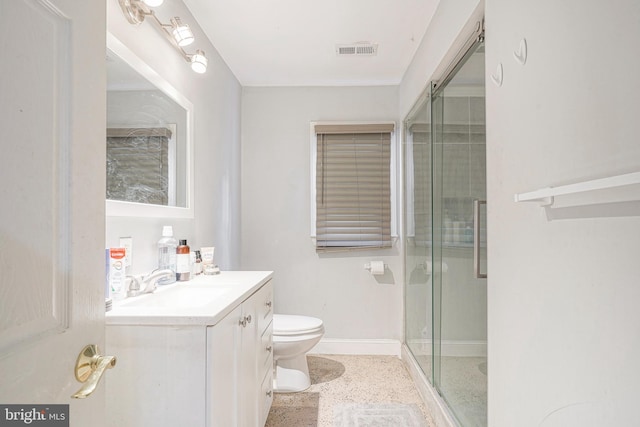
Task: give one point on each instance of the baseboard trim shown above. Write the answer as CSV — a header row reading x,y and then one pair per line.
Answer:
x,y
358,346
432,400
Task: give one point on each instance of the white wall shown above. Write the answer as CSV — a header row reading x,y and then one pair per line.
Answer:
x,y
276,218
564,323
216,99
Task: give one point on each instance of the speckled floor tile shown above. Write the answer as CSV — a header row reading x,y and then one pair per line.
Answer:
x,y
463,381
356,382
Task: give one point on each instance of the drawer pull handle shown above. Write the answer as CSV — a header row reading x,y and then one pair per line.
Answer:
x,y
269,348
245,320
268,304
269,393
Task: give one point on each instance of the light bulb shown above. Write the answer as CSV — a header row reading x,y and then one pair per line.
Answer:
x,y
181,32
199,62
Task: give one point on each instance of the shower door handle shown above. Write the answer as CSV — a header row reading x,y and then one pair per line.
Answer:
x,y
476,238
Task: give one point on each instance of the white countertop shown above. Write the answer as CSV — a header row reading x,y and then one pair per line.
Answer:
x,y
234,287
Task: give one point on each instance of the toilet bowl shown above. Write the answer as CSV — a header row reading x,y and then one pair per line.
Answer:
x,y
293,337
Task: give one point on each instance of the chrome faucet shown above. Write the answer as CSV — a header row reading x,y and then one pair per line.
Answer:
x,y
144,285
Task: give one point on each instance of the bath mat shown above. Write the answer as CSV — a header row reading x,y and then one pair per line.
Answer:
x,y
378,415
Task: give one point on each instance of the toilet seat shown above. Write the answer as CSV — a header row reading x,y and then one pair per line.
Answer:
x,y
289,324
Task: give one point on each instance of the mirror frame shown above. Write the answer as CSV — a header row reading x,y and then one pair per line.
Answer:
x,y
118,208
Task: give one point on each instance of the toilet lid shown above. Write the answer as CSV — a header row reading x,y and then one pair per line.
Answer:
x,y
289,324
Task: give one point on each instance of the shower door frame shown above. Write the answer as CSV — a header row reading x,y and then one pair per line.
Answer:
x,y
425,381
438,216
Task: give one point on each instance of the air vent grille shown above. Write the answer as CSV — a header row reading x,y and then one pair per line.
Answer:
x,y
357,49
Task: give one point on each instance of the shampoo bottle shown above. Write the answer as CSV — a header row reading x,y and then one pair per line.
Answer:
x,y
167,254
183,262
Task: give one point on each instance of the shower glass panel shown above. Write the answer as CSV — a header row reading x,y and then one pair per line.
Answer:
x,y
459,296
417,193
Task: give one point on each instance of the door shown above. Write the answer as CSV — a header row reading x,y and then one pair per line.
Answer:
x,y
248,380
52,169
459,254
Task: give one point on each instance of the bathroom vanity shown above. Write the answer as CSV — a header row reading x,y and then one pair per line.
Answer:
x,y
195,354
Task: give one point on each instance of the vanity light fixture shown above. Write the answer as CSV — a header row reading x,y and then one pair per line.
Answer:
x,y
178,33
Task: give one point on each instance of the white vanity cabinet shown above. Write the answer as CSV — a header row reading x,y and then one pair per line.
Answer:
x,y
241,360
196,370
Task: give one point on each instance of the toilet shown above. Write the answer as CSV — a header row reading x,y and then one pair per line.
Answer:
x,y
293,337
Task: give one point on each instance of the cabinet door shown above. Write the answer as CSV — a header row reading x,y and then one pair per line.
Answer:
x,y
160,380
223,406
236,368
248,378
257,311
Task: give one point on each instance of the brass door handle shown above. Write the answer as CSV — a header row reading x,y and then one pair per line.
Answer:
x,y
90,366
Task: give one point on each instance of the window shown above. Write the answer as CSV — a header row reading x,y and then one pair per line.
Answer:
x,y
141,165
352,186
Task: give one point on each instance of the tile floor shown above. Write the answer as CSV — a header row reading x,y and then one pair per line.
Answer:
x,y
463,381
349,391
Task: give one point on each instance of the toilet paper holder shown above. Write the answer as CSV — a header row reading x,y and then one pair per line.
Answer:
x,y
376,267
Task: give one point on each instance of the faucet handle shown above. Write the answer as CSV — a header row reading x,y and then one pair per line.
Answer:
x,y
132,285
151,281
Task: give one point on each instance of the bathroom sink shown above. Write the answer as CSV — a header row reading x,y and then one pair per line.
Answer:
x,y
179,298
203,300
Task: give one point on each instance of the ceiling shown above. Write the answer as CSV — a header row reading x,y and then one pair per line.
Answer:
x,y
293,42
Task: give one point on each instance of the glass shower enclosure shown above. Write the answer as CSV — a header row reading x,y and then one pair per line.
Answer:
x,y
445,237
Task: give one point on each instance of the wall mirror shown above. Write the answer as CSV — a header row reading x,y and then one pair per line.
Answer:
x,y
149,140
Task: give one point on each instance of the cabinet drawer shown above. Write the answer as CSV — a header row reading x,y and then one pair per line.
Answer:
x,y
264,298
266,397
265,355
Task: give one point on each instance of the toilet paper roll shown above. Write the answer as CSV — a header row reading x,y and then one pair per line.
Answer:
x,y
377,267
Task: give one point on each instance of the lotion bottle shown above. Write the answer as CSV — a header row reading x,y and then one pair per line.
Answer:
x,y
183,262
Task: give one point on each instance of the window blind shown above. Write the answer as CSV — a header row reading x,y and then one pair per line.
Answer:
x,y
353,189
138,165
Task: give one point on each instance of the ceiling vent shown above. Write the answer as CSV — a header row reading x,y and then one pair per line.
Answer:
x,y
357,49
